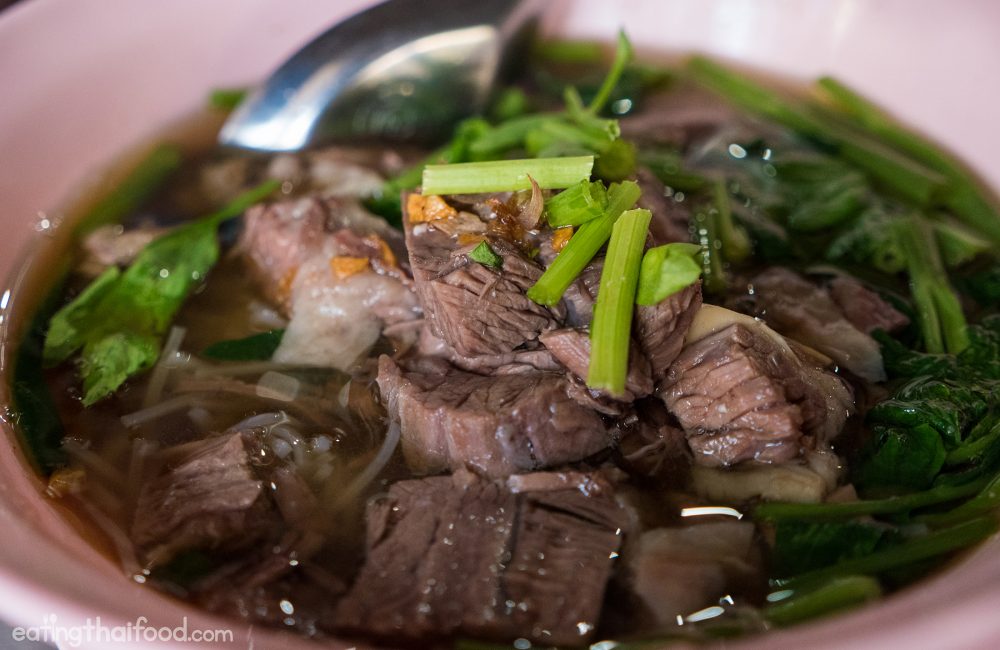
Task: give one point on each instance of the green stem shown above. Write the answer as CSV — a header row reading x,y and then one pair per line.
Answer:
x,y
610,331
835,595
506,175
623,54
582,247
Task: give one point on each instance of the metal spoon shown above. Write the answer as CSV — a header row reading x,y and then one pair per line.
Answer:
x,y
401,70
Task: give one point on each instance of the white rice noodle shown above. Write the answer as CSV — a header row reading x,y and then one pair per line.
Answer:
x,y
374,468
170,358
266,420
164,408
142,449
278,386
92,462
123,545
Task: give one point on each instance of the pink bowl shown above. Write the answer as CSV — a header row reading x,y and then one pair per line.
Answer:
x,y
84,80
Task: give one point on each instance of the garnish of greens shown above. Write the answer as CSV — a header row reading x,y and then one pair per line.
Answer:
x,y
256,347
505,175
666,270
611,328
485,255
144,179
117,322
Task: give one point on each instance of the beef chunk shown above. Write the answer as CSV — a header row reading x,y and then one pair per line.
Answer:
x,y
805,312
459,555
678,571
866,310
528,359
476,309
660,328
652,445
741,393
671,219
278,238
209,499
452,419
333,269
571,347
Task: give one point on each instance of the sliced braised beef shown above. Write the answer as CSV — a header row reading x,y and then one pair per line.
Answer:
x,y
474,308
741,393
571,348
531,357
671,219
458,555
866,310
496,425
208,499
660,328
333,268
675,572
652,445
805,312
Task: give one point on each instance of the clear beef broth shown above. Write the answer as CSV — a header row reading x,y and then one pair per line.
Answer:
x,y
311,448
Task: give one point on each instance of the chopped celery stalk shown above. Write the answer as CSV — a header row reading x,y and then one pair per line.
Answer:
x,y
666,270
939,312
848,509
623,55
485,256
506,175
835,595
707,230
735,242
147,177
902,176
610,330
913,550
227,99
577,204
508,135
582,247
963,194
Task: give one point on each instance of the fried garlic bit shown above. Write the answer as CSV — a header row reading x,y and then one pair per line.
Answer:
x,y
420,208
344,266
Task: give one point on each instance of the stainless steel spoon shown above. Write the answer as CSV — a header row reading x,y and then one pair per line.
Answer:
x,y
401,70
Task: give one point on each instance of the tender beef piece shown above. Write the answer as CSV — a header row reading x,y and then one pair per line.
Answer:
x,y
531,358
805,312
678,571
476,309
652,445
580,296
500,425
866,310
278,238
334,269
462,556
671,219
660,328
742,395
209,498
112,245
571,348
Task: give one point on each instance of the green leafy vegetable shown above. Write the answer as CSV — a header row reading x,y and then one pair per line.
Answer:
x,y
939,311
902,176
906,553
666,270
901,458
257,347
140,184
117,322
506,175
947,406
610,331
836,595
963,193
577,204
586,241
805,546
485,256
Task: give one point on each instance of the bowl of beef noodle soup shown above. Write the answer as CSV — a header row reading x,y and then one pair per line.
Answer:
x,y
693,335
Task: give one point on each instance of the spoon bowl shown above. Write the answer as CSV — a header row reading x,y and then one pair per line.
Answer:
x,y
403,70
